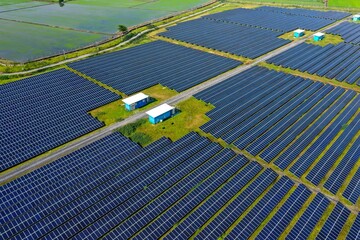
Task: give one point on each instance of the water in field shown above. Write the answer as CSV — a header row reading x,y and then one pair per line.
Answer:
x,y
30,29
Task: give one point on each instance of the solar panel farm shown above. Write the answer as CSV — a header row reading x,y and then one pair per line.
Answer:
x,y
215,120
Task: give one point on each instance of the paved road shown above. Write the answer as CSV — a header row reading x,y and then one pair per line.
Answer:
x,y
81,142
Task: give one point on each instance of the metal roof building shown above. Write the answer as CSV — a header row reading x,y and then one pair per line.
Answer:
x,y
136,101
299,32
319,36
160,113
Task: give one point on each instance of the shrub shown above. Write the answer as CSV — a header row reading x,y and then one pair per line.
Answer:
x,y
129,129
141,138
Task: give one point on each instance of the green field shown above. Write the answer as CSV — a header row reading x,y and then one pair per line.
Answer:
x,y
345,3
331,3
85,18
9,2
22,42
77,24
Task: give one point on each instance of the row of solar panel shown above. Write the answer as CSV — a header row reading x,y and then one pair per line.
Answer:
x,y
269,113
272,20
115,189
141,67
340,62
308,13
45,111
350,32
240,40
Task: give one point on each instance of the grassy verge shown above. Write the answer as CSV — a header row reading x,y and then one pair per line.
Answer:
x,y
310,76
115,111
190,118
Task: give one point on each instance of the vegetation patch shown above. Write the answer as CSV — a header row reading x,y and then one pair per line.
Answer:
x,y
190,118
329,39
290,36
116,112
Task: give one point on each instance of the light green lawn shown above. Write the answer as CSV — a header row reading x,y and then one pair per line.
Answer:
x,y
190,118
345,3
115,111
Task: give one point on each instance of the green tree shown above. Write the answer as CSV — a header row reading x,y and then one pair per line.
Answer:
x,y
122,28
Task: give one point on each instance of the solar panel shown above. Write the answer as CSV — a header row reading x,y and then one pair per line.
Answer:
x,y
174,66
309,218
45,111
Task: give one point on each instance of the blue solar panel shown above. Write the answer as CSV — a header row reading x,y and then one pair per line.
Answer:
x,y
354,233
308,13
278,223
334,223
198,218
245,228
350,32
340,62
237,207
244,41
319,171
45,111
274,20
352,191
134,69
309,218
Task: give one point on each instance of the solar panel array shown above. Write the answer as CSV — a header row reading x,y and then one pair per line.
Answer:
x,y
334,223
340,62
285,214
274,20
240,40
355,230
134,69
113,188
277,116
309,218
350,32
352,192
307,13
45,111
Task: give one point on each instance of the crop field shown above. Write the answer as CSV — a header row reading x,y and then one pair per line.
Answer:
x,y
89,23
57,41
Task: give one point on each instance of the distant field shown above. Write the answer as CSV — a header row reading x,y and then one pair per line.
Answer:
x,y
344,3
297,2
332,3
87,18
8,2
77,24
22,42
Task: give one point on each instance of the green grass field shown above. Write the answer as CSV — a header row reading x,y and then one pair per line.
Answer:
x,y
345,3
190,118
